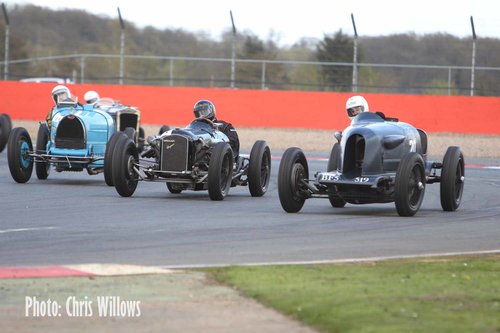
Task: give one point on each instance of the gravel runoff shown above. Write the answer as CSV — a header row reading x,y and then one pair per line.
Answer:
x,y
473,145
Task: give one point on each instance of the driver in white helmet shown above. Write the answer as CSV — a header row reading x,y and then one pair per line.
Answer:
x,y
59,93
355,105
91,97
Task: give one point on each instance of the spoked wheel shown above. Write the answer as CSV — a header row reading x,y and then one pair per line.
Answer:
x,y
108,157
410,184
293,171
19,147
42,168
452,179
259,169
125,158
220,171
5,128
333,165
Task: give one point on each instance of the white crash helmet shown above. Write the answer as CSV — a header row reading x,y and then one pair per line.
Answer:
x,y
91,97
60,92
355,102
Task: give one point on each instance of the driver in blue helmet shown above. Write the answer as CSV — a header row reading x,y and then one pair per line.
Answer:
x,y
206,109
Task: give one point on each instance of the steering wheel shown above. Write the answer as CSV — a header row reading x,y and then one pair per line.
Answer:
x,y
206,120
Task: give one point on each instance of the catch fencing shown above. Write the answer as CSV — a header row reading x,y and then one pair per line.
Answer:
x,y
258,74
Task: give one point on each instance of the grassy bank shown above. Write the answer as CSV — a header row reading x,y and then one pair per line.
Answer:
x,y
438,295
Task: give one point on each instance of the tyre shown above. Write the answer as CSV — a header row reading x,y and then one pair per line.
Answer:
x,y
452,179
410,184
130,132
124,176
259,169
293,170
220,171
141,140
42,169
333,164
20,163
108,156
163,129
174,188
5,128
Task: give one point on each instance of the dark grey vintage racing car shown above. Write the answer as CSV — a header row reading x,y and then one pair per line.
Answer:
x,y
198,157
376,160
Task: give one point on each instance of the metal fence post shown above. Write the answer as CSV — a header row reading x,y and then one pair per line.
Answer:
x,y
449,81
263,77
171,73
82,69
473,57
7,35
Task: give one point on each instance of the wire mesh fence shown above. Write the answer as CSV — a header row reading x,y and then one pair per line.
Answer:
x,y
259,74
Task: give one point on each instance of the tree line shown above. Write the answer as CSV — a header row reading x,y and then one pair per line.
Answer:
x,y
41,32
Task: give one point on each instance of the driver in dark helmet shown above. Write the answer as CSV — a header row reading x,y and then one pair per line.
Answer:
x,y
206,109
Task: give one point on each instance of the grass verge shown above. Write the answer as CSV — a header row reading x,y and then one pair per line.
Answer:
x,y
459,294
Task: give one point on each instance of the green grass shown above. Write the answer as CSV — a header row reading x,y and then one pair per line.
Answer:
x,y
460,294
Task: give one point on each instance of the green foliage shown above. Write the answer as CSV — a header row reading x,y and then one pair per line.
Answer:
x,y
336,48
449,295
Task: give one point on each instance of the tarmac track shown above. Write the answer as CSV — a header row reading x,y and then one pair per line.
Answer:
x,y
74,218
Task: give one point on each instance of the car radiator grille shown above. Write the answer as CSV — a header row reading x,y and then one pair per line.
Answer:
x,y
175,153
70,134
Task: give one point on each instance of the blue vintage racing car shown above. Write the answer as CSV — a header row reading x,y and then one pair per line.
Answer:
x,y
376,160
78,137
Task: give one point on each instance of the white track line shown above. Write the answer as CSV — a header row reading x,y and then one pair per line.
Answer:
x,y
338,261
25,229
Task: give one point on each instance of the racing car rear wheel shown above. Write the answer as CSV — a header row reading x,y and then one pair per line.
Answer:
x,y
220,171
42,168
5,128
19,147
163,129
142,139
452,179
259,169
124,159
333,165
174,188
108,157
293,170
410,184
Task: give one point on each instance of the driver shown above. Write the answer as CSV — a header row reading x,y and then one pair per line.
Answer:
x,y
59,93
91,97
355,105
206,109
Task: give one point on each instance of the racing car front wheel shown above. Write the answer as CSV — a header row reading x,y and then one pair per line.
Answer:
x,y
220,171
19,147
259,169
124,163
108,157
5,128
333,165
452,179
410,184
292,172
42,168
